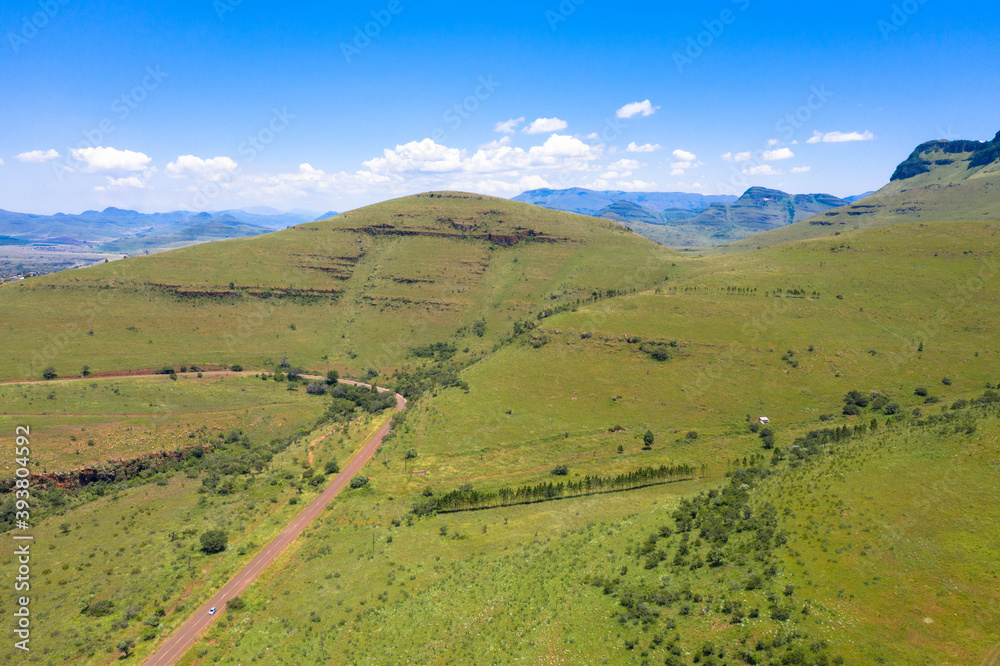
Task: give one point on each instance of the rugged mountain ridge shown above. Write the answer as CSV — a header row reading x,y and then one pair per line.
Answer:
x,y
970,154
690,220
940,181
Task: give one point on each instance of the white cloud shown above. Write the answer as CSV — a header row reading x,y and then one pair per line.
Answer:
x,y
493,168
738,157
635,108
211,169
508,126
558,152
38,156
1,161
684,161
774,142
763,170
644,148
126,181
111,159
423,155
625,165
502,188
802,169
840,137
634,185
545,126
779,154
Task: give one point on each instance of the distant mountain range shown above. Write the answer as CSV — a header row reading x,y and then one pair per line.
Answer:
x,y
681,219
592,202
941,181
119,230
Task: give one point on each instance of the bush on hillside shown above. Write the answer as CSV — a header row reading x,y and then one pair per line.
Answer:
x,y
49,373
316,388
214,541
359,481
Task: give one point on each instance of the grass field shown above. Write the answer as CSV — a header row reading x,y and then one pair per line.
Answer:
x,y
360,290
691,348
138,547
530,408
86,423
881,580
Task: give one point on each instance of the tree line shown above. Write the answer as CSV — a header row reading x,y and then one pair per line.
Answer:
x,y
468,498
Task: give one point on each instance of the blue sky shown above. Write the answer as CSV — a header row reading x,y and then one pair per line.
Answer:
x,y
213,104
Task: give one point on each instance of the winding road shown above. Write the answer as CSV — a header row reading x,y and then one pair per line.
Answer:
x,y
185,636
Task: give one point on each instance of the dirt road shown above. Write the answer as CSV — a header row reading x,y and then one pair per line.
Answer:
x,y
185,636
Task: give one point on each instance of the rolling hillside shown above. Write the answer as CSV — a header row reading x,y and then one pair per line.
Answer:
x,y
539,349
362,288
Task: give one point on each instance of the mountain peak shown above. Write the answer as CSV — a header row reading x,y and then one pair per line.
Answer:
x,y
941,153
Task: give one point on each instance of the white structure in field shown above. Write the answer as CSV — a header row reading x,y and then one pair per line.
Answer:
x,y
764,419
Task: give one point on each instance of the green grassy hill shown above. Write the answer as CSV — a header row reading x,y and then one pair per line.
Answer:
x,y
540,348
360,289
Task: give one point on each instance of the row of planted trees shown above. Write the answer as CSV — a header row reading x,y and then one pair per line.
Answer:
x,y
468,498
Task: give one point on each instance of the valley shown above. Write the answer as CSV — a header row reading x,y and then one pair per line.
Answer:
x,y
552,363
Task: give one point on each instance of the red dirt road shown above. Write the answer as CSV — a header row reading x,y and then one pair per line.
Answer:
x,y
185,636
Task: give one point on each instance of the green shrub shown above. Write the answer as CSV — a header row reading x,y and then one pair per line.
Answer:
x,y
99,608
331,467
214,541
360,481
560,470
921,391
49,373
236,368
